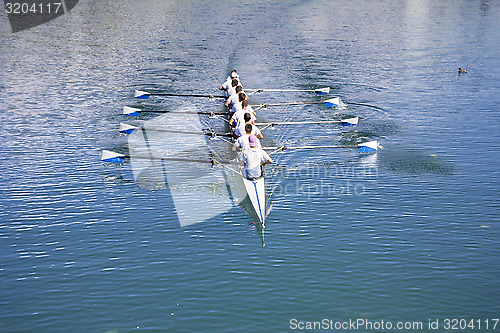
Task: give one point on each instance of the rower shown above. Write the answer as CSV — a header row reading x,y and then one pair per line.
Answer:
x,y
241,128
461,71
232,89
227,84
238,106
233,99
238,115
242,142
254,158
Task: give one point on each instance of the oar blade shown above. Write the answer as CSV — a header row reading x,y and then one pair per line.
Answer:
x,y
322,91
112,157
332,102
350,121
141,94
127,129
130,111
368,147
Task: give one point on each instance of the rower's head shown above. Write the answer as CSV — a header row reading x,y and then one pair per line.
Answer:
x,y
234,75
234,82
248,128
252,140
247,117
244,104
242,96
239,89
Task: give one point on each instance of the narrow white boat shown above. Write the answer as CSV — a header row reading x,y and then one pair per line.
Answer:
x,y
256,192
250,194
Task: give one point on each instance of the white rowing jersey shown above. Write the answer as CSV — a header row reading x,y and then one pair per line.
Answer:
x,y
233,99
238,117
243,143
236,106
228,81
232,90
226,84
240,130
253,159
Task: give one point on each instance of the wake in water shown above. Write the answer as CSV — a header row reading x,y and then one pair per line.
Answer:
x,y
414,162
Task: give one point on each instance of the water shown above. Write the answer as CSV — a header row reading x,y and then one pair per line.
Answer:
x,y
407,235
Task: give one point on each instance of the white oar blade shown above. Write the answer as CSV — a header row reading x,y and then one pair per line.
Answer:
x,y
127,129
333,102
322,91
368,147
350,121
111,157
129,111
141,94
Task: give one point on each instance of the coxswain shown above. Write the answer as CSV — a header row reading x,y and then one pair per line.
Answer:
x,y
254,158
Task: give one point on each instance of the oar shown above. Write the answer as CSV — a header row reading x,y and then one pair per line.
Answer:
x,y
113,157
329,103
145,95
366,147
129,129
130,111
319,91
343,122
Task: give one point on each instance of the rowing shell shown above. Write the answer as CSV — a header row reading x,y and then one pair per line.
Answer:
x,y
256,192
250,193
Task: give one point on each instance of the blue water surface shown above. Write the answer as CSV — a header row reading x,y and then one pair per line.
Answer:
x,y
409,234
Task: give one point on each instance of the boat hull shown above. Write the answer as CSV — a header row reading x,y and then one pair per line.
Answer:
x,y
256,191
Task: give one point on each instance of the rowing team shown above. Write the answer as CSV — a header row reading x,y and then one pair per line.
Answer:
x,y
247,136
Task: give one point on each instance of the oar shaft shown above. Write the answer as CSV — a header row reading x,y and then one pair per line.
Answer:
x,y
186,95
285,104
309,147
176,159
306,122
319,91
281,90
152,129
185,112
